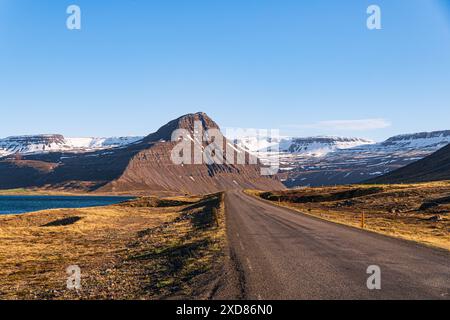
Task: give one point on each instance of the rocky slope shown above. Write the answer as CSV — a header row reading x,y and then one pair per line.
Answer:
x,y
435,167
145,165
334,161
143,162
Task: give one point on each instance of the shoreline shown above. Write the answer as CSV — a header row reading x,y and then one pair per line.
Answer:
x,y
33,192
78,202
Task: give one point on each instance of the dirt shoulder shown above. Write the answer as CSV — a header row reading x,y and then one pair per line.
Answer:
x,y
144,249
417,212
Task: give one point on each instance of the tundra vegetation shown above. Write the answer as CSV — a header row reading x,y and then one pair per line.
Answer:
x,y
148,248
418,212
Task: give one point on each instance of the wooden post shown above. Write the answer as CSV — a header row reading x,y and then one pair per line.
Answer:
x,y
363,220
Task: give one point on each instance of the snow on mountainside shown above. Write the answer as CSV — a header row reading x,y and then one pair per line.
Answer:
x,y
312,146
320,146
255,143
31,144
101,143
360,163
303,161
434,140
333,160
57,143
144,166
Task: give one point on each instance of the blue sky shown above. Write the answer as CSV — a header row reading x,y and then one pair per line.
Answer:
x,y
305,68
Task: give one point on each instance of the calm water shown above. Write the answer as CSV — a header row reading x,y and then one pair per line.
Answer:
x,y
22,204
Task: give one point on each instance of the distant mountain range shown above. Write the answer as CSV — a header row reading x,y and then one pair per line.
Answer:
x,y
125,164
310,147
46,143
311,161
320,161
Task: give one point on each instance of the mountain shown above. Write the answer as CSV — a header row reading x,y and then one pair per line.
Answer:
x,y
435,167
46,143
423,140
329,161
311,146
145,165
320,146
130,163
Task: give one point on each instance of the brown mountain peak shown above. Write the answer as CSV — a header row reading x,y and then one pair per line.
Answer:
x,y
186,122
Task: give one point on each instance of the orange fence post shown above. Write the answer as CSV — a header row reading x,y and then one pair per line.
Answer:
x,y
363,220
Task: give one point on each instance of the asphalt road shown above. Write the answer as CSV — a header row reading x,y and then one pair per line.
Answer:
x,y
281,254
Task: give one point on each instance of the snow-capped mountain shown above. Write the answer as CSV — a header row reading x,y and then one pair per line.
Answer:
x,y
290,152
311,146
303,161
360,163
58,143
101,143
320,146
422,140
144,166
340,160
31,144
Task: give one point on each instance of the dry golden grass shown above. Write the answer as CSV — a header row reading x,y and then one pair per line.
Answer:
x,y
50,191
26,192
124,252
395,210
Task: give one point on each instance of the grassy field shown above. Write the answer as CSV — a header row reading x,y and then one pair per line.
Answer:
x,y
418,212
148,248
52,192
22,191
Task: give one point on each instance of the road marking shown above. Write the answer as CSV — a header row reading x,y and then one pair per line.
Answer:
x,y
241,244
237,233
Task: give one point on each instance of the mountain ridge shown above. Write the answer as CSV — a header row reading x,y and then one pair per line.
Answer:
x,y
308,161
355,164
145,165
434,167
41,143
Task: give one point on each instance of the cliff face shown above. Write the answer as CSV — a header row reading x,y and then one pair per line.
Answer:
x,y
143,166
152,168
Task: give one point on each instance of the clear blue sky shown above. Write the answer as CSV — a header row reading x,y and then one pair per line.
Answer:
x,y
305,67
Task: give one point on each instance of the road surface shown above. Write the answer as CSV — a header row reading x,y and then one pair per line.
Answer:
x,y
281,254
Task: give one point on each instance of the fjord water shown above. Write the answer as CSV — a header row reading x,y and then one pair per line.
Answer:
x,y
24,204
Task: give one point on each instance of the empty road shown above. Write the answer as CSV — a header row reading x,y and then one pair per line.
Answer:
x,y
280,254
